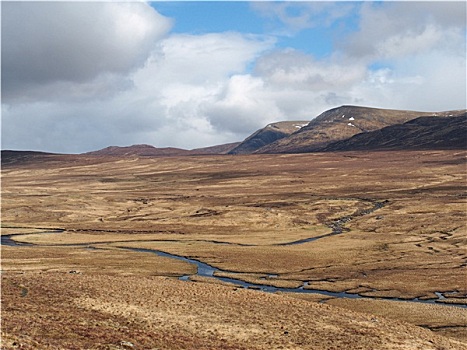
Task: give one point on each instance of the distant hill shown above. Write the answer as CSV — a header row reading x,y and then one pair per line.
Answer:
x,y
339,124
151,151
421,133
267,135
338,129
219,149
139,151
10,157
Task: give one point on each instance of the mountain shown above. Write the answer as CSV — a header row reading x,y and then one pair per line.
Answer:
x,y
338,129
421,133
10,157
151,151
218,149
267,135
339,124
138,151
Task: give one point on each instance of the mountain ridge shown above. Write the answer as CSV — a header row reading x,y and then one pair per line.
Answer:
x,y
432,132
338,129
267,135
143,150
341,123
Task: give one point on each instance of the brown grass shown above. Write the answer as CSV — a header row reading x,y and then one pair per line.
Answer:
x,y
449,321
77,311
233,213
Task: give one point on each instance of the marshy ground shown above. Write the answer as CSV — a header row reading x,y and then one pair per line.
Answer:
x,y
384,225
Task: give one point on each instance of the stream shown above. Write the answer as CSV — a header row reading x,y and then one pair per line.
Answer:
x,y
206,270
7,240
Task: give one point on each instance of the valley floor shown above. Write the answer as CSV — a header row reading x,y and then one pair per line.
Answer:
x,y
381,225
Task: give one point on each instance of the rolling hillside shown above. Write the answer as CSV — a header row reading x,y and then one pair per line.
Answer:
x,y
138,150
420,133
265,136
338,129
339,124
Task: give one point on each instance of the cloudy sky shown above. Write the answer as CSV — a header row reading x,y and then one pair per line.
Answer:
x,y
82,76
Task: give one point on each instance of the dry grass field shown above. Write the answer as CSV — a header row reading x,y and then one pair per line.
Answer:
x,y
386,225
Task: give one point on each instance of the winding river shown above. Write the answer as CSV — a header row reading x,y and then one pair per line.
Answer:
x,y
206,270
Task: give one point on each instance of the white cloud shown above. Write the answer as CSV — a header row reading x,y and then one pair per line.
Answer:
x,y
409,43
398,29
289,68
185,64
287,18
66,44
196,81
242,106
115,75
421,47
158,103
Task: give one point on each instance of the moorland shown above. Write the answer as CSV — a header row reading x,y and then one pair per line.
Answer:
x,y
365,250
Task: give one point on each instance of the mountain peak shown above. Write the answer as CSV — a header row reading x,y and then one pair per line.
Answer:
x,y
267,135
141,150
341,123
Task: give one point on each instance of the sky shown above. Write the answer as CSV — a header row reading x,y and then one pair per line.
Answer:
x,y
81,76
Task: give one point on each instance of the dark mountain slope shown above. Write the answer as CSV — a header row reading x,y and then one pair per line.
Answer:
x,y
10,157
138,151
218,149
339,124
267,135
151,151
420,133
